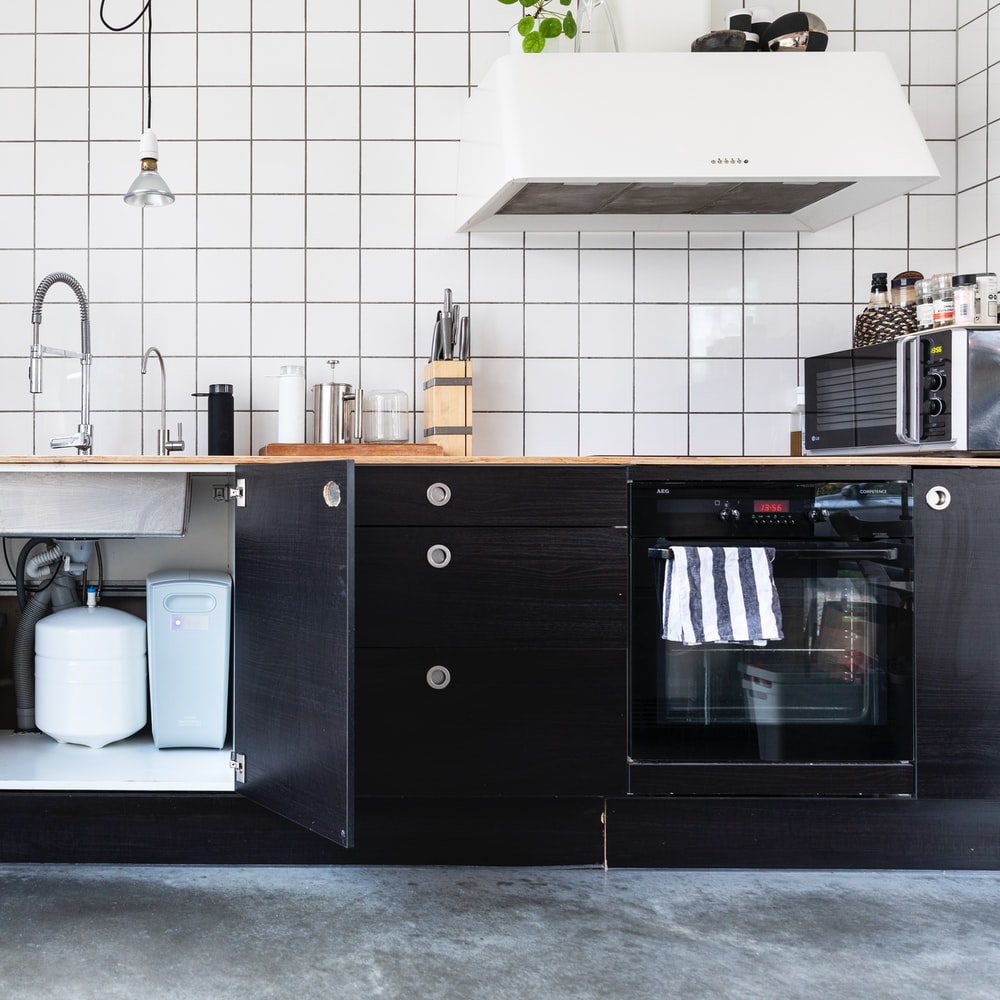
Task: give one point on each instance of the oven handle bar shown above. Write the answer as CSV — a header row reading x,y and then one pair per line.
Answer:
x,y
890,553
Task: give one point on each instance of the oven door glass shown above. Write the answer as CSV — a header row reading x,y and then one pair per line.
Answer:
x,y
838,686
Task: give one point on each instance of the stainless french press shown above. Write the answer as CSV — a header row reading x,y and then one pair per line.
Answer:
x,y
336,412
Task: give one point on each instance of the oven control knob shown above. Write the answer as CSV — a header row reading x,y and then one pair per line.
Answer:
x,y
932,407
729,514
816,514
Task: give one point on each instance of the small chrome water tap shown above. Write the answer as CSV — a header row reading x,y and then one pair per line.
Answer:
x,y
83,439
164,444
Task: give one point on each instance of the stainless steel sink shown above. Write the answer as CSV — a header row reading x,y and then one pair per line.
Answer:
x,y
94,504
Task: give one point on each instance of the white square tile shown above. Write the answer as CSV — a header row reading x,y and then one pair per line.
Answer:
x,y
277,275
498,329
896,45
606,434
715,434
932,221
333,112
61,221
175,62
173,324
223,329
278,220
387,112
945,156
606,330
17,123
770,331
18,222
169,275
223,167
387,276
551,384
278,113
223,113
993,148
387,167
174,228
333,60
499,385
971,212
224,60
387,15
116,113
606,276
934,109
882,226
498,434
223,275
289,15
496,275
334,330
932,58
442,60
661,385
278,330
333,275
826,276
17,60
769,385
716,385
972,40
333,17
278,59
278,167
766,434
441,269
716,331
661,434
61,61
16,277
387,331
993,36
881,14
661,275
223,220
770,275
825,328
972,159
436,167
438,112
548,434
969,9
115,276
927,15
716,275
661,331
333,167
386,59
551,276
972,103
838,236
17,175
837,15
435,17
60,113
60,168
333,220
867,263
551,330
387,220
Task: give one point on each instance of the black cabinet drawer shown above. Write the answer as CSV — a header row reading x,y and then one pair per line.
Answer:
x,y
524,722
490,495
562,586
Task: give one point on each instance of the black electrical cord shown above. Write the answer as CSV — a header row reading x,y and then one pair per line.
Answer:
x,y
22,558
147,9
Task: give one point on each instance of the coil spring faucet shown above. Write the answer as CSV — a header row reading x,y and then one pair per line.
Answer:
x,y
83,439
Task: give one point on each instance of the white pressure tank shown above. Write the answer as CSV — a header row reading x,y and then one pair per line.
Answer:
x,y
90,675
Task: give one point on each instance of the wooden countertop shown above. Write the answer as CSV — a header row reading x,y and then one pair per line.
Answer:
x,y
194,462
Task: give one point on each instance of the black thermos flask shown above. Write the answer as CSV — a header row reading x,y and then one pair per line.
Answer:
x,y
220,418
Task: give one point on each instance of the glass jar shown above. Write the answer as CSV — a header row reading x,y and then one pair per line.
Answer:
x,y
944,299
986,298
925,304
964,288
385,416
903,289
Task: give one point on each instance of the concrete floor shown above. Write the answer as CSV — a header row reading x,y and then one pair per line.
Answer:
x,y
192,933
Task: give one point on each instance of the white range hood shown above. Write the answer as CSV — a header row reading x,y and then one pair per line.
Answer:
x,y
685,141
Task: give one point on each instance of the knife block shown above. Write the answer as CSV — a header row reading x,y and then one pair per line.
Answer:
x,y
448,406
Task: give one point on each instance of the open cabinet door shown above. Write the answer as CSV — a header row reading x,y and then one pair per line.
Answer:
x,y
293,643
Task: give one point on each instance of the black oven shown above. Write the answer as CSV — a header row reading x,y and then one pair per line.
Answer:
x,y
823,705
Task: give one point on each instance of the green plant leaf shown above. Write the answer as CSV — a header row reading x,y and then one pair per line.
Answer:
x,y
550,27
569,25
565,3
525,25
533,42
527,3
510,1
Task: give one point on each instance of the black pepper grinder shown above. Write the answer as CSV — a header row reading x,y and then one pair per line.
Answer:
x,y
220,418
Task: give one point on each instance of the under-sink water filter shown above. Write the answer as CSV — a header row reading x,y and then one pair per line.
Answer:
x,y
188,615
90,675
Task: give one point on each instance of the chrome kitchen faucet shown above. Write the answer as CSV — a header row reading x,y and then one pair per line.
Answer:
x,y
83,439
164,444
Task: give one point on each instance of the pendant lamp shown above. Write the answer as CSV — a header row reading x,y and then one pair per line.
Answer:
x,y
149,189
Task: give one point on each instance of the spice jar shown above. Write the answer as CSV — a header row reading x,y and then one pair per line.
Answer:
x,y
903,289
925,304
944,300
964,289
986,298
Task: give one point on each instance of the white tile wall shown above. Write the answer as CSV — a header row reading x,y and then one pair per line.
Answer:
x,y
312,148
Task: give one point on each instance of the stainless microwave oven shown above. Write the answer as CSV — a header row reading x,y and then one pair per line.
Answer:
x,y
934,390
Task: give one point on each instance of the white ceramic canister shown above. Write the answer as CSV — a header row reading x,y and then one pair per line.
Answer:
x,y
90,675
291,404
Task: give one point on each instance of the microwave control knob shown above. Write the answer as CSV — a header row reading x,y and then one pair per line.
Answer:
x,y
817,514
933,381
932,407
729,514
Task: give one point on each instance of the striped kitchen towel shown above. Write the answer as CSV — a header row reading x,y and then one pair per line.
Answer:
x,y
720,594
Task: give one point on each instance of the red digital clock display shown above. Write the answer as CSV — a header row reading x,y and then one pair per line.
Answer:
x,y
771,506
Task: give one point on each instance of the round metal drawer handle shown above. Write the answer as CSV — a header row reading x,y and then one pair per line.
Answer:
x,y
439,556
438,494
938,498
438,677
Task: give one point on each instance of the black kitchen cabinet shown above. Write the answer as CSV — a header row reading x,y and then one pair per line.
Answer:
x,y
957,668
491,630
